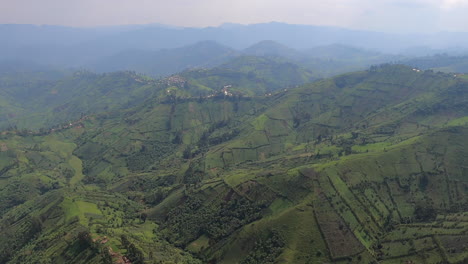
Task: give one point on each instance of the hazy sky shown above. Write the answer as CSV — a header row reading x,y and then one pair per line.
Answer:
x,y
380,15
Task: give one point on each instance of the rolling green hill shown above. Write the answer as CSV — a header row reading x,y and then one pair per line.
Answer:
x,y
366,167
269,48
30,102
252,75
34,99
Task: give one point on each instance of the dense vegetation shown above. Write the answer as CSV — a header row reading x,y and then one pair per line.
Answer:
x,y
366,167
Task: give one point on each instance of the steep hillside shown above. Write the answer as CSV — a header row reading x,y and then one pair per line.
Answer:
x,y
364,167
32,102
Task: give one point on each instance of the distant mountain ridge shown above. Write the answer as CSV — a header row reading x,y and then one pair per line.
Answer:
x,y
76,46
324,61
167,61
272,48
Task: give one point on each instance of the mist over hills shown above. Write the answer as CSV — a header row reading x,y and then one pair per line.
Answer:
x,y
272,48
65,46
325,61
167,61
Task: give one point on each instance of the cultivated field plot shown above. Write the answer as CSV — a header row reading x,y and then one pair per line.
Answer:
x,y
339,238
443,241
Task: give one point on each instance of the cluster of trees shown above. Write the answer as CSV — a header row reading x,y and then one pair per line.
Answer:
x,y
149,154
266,249
425,213
193,174
85,242
26,229
157,195
209,138
217,219
16,192
134,254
